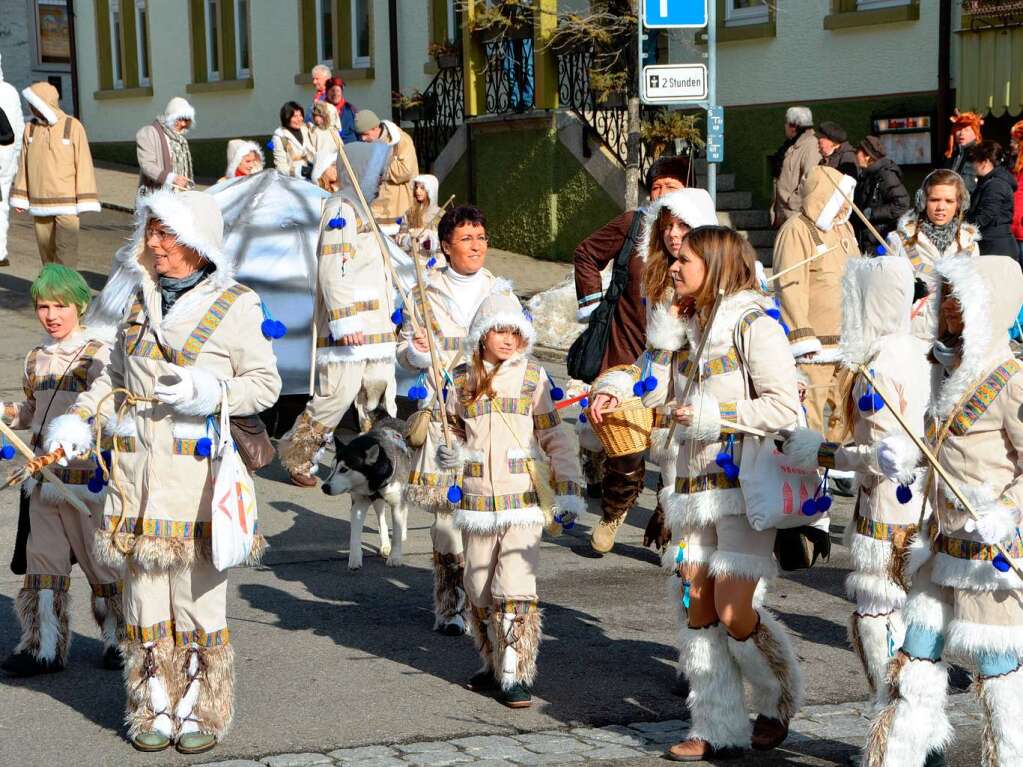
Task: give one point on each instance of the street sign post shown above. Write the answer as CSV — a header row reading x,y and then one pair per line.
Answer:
x,y
716,134
674,83
675,14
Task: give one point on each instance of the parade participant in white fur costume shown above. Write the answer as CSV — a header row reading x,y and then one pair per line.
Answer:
x,y
934,229
355,338
721,558
243,159
55,373
191,333
811,294
420,221
164,157
667,221
501,402
455,292
877,298
10,105
965,601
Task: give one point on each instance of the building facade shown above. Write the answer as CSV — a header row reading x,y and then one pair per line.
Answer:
x,y
35,42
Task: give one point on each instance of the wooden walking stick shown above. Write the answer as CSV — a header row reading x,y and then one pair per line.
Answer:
x,y
798,264
870,227
691,379
936,465
438,379
22,448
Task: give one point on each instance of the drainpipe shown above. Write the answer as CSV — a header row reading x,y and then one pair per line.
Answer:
x,y
944,106
392,40
74,58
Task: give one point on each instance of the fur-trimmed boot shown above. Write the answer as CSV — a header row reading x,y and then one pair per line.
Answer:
x,y
449,602
206,706
719,725
481,629
622,484
593,470
109,615
913,723
874,639
149,711
1002,700
516,644
768,662
45,634
299,449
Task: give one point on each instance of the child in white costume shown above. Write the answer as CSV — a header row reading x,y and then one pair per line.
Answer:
x,y
55,373
877,300
501,400
725,638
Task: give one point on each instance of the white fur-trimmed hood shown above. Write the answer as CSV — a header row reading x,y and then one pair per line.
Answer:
x,y
877,301
693,207
500,309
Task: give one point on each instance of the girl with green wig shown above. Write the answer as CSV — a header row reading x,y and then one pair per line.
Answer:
x,y
53,530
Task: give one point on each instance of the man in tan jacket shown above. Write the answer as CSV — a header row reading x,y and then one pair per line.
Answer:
x,y
55,181
395,196
811,294
800,153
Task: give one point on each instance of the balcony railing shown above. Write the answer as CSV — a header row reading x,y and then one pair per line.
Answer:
x,y
442,111
993,13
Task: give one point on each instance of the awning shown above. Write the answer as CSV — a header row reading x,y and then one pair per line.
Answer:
x,y
990,76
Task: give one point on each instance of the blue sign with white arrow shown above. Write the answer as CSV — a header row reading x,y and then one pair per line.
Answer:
x,y
666,14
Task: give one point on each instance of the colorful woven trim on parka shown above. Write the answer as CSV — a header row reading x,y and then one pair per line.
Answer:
x,y
516,607
881,531
498,502
187,356
107,589
368,338
716,481
352,309
70,476
166,630
159,528
521,405
960,548
982,397
74,380
447,343
430,479
54,582
712,367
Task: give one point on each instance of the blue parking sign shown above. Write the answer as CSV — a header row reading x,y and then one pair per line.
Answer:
x,y
674,13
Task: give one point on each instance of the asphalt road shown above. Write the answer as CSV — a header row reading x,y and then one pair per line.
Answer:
x,y
327,658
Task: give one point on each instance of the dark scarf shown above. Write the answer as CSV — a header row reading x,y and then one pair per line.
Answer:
x,y
173,288
940,236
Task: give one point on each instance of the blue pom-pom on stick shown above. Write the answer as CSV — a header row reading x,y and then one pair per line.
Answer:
x,y
336,223
557,394
1001,564
95,485
904,494
7,452
203,447
397,316
454,494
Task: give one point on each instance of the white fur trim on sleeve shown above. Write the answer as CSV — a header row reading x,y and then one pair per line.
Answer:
x,y
346,326
90,206
801,448
207,394
616,383
663,331
909,456
570,503
68,429
805,346
706,423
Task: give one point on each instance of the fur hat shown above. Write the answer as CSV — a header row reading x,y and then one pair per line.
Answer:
x,y
833,131
365,121
963,120
430,184
177,109
670,167
500,309
196,220
237,149
44,98
872,147
693,207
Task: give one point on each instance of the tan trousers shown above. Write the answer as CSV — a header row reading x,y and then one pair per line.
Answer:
x,y
188,605
446,539
501,566
823,387
58,530
57,238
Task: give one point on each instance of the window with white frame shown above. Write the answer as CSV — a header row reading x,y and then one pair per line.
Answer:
x,y
115,43
243,56
360,34
452,21
142,40
211,12
870,5
325,32
741,12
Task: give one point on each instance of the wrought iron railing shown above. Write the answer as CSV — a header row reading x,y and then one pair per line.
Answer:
x,y
997,13
438,118
510,81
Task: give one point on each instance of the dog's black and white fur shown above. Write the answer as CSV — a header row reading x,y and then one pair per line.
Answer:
x,y
374,468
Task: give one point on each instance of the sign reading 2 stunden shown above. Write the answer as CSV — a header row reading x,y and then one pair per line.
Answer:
x,y
665,14
673,83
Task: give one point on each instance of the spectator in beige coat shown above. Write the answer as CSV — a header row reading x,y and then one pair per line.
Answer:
x,y
395,196
165,161
793,161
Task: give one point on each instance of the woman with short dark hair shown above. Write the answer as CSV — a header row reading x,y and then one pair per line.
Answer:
x,y
991,208
294,151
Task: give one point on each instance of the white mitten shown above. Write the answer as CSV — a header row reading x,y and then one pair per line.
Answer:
x,y
190,391
449,458
995,523
705,425
801,446
897,458
70,433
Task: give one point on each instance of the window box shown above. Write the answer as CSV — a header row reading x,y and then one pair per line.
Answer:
x,y
123,93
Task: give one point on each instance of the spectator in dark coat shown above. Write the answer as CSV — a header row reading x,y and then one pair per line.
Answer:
x,y
836,151
345,110
966,127
992,200
880,194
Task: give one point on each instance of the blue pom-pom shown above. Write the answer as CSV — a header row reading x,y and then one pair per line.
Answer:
x,y
880,250
650,383
1001,564
203,447
774,314
98,474
784,327
95,485
723,459
877,401
731,471
638,389
809,507
823,503
866,403
267,328
397,316
336,223
454,494
280,329
904,494
7,452
584,402
270,144
583,418
557,394
431,263
568,525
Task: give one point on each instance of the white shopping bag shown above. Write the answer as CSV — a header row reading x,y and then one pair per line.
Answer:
x,y
773,490
234,499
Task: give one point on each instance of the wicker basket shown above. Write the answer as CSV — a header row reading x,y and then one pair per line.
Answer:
x,y
626,430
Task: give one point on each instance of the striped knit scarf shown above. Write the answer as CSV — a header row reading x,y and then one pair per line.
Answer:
x,y
181,157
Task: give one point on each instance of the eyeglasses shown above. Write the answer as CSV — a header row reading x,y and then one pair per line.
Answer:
x,y
160,233
468,240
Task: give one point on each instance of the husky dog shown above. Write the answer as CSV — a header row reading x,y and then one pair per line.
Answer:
x,y
373,468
